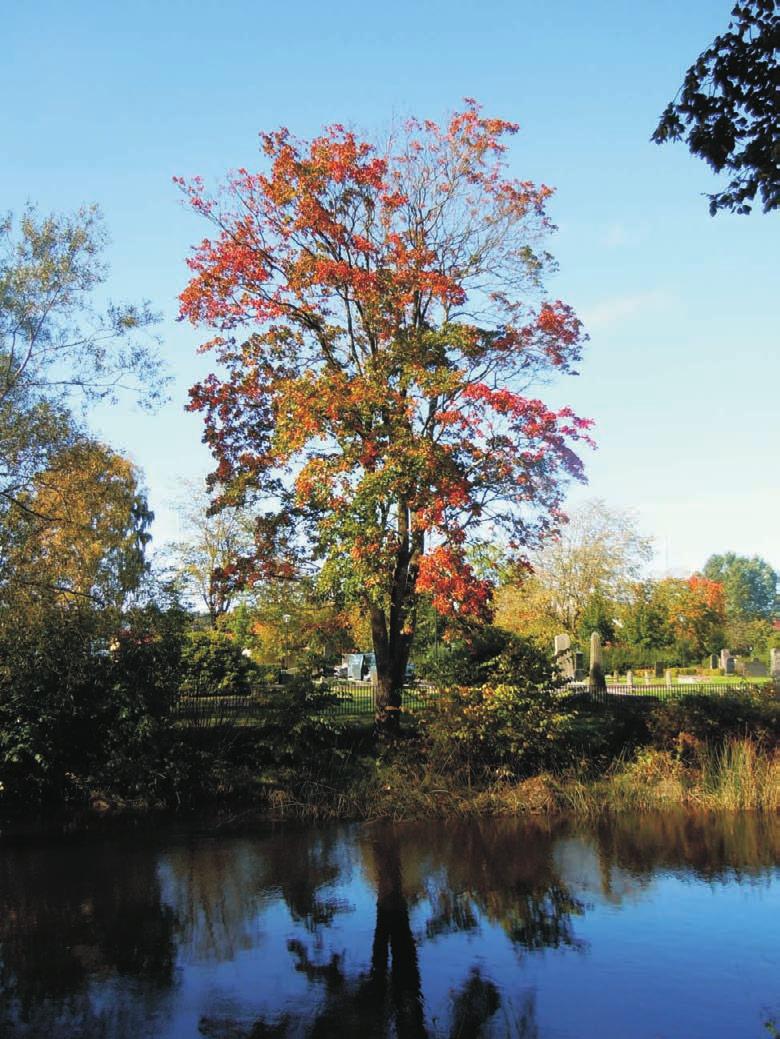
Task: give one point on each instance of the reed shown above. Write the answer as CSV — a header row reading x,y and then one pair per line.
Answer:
x,y
739,775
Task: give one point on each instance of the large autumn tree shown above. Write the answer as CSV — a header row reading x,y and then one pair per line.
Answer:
x,y
379,315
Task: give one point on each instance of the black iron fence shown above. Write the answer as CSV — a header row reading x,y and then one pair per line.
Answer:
x,y
341,699
637,693
358,700
215,711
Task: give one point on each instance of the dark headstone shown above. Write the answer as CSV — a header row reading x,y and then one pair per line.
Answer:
x,y
579,666
755,669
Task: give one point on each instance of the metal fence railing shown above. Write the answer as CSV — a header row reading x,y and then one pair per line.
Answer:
x,y
359,698
344,699
214,711
637,693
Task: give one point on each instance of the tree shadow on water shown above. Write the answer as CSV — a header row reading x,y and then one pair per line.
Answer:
x,y
386,999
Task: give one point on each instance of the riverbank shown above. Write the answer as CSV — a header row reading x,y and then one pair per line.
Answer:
x,y
488,752
737,776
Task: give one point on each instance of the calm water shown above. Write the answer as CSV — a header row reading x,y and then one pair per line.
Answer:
x,y
647,928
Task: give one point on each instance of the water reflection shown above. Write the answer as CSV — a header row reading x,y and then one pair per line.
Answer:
x,y
417,930
69,920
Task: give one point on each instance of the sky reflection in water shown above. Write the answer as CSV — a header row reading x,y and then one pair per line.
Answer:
x,y
649,927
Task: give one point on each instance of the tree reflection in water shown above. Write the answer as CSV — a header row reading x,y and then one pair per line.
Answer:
x,y
95,938
71,915
510,885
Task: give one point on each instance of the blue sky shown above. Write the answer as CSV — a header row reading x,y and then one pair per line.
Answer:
x,y
106,102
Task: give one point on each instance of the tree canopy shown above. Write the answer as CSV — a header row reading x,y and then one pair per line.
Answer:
x,y
380,315
204,558
58,350
749,583
54,340
80,529
590,563
727,108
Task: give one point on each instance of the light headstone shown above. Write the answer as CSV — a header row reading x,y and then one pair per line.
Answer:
x,y
564,657
597,682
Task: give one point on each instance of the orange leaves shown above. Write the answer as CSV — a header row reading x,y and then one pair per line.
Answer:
x,y
454,588
374,400
711,593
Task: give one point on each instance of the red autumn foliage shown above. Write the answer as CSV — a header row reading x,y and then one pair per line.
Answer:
x,y
378,315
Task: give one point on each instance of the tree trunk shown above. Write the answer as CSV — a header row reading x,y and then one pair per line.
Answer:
x,y
392,656
392,632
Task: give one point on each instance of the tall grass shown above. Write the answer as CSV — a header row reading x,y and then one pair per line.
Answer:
x,y
738,775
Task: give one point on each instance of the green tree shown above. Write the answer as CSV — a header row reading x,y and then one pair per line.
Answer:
x,y
53,339
214,664
749,583
79,529
594,560
207,558
727,108
644,618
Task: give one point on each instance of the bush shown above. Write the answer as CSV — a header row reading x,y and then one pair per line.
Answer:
x,y
85,702
298,736
214,664
488,653
497,731
715,719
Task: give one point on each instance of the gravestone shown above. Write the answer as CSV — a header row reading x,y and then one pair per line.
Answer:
x,y
596,683
561,643
774,664
630,678
659,669
647,678
668,678
579,666
564,657
730,665
714,663
355,666
755,669
725,656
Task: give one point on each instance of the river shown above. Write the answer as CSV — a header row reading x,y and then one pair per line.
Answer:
x,y
642,928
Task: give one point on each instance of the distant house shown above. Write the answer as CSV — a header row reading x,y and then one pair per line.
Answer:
x,y
776,623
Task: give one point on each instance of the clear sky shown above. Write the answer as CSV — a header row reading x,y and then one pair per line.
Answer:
x,y
105,102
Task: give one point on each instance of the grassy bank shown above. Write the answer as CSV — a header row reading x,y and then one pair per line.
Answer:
x,y
738,775
490,750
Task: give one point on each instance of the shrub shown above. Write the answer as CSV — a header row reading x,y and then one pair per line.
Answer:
x,y
214,664
497,731
488,653
85,700
715,719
